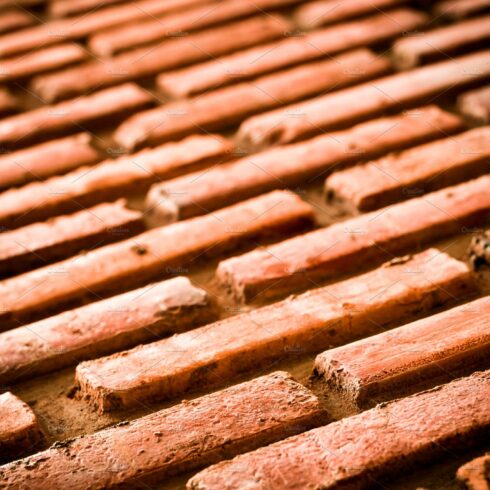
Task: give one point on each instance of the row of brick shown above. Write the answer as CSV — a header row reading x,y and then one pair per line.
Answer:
x,y
348,106
295,165
326,253
213,354
253,62
361,450
227,107
210,45
278,269
187,436
108,180
356,450
153,254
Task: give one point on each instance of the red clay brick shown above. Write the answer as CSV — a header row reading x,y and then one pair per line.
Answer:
x,y
459,9
440,43
149,60
109,180
152,29
45,242
100,328
185,437
351,105
228,106
13,19
299,262
426,352
68,116
54,31
324,12
216,353
20,431
293,165
387,440
152,254
475,475
40,61
413,172
47,159
475,105
259,60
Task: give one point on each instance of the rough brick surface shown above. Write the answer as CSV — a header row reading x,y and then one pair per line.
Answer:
x,y
348,106
155,253
184,437
19,430
41,243
356,451
110,179
431,350
293,165
228,106
333,315
100,328
413,172
328,252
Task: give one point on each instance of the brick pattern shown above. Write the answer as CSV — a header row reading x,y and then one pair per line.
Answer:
x,y
363,120
327,316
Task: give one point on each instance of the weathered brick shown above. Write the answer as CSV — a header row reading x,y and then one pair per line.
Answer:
x,y
357,451
423,353
300,262
351,105
332,315
170,54
153,254
45,242
252,62
103,327
47,159
228,106
413,172
109,180
185,437
19,431
113,103
293,165
442,42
